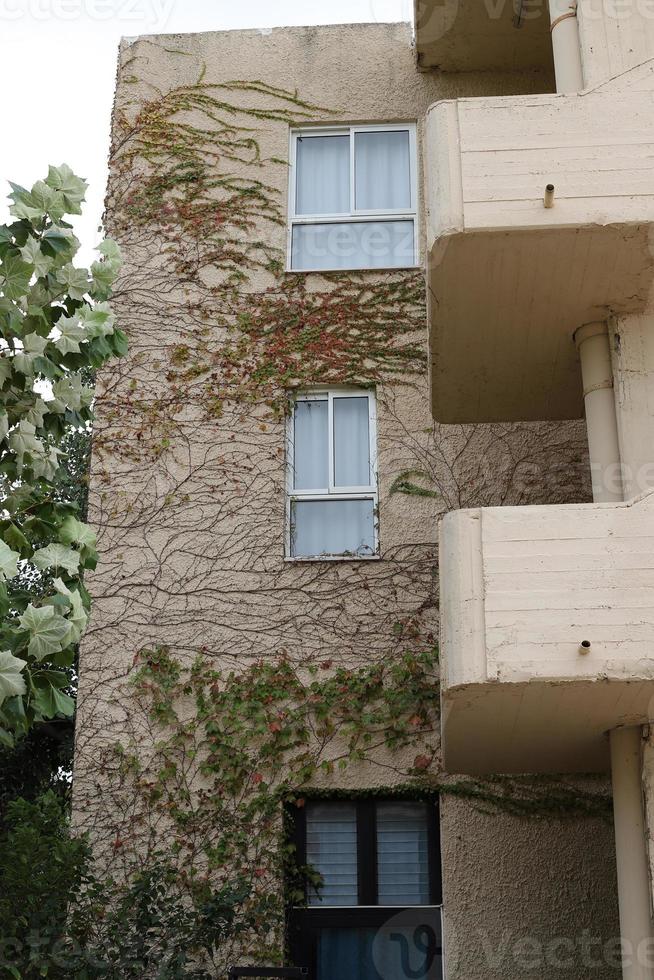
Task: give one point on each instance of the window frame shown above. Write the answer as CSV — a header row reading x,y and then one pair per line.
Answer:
x,y
306,921
354,215
331,492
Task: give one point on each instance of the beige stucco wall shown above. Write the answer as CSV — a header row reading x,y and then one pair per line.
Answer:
x,y
190,508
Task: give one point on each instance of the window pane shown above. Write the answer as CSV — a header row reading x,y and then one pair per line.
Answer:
x,y
353,245
332,527
332,851
402,854
346,953
382,167
351,442
399,950
311,445
323,175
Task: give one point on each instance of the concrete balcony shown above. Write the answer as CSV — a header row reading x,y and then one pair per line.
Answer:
x,y
481,35
522,589
510,280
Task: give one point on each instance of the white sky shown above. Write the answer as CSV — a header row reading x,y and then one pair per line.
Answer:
x,y
58,62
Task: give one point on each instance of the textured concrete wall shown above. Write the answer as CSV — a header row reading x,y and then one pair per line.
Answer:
x,y
528,898
632,352
189,504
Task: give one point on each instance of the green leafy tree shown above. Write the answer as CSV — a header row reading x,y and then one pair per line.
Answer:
x,y
56,327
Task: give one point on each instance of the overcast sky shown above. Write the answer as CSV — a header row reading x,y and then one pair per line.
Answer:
x,y
58,62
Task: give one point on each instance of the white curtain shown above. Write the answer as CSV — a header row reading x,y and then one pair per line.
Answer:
x,y
353,245
351,442
382,171
332,527
332,851
323,175
311,445
402,854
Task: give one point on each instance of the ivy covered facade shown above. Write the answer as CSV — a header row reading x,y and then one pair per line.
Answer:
x,y
231,685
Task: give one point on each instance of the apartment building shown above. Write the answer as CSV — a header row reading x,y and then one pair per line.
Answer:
x,y
383,280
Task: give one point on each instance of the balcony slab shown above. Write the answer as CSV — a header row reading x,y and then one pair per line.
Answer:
x,y
510,280
522,588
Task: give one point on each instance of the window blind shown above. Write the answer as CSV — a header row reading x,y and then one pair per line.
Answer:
x,y
331,849
402,854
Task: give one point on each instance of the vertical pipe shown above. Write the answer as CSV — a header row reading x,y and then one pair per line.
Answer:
x,y
631,853
592,342
566,46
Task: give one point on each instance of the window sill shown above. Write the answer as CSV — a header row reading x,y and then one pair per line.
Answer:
x,y
376,908
331,272
330,558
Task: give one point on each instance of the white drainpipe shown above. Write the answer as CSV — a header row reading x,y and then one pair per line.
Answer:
x,y
566,46
592,342
631,853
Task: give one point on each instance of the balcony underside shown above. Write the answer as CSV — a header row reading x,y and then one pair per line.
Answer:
x,y
522,588
480,35
538,727
510,280
504,306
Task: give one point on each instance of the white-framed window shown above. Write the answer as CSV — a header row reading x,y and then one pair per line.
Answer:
x,y
353,198
332,475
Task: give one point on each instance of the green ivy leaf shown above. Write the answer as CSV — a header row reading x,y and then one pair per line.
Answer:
x,y
5,605
12,681
73,189
47,629
75,280
47,200
5,370
33,344
8,561
15,538
16,276
6,239
36,414
49,702
110,250
24,206
97,320
77,617
32,254
57,556
71,335
103,274
74,532
60,241
120,343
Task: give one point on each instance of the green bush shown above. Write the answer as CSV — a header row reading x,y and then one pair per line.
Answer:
x,y
42,872
57,920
